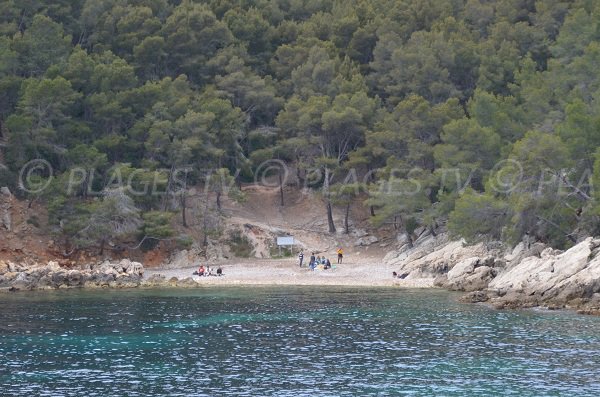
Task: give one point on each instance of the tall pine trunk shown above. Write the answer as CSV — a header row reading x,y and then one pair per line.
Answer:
x,y
168,190
183,207
205,224
183,203
102,243
328,199
370,181
346,225
281,188
330,217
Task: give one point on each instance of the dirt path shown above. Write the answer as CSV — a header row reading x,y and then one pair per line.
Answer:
x,y
303,217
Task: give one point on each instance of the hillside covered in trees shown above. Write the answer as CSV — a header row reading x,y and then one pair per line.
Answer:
x,y
481,113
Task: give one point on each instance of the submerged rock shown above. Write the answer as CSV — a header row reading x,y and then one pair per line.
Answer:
x,y
475,297
156,280
187,282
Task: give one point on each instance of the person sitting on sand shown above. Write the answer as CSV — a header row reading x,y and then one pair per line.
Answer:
x,y
327,264
219,271
201,270
394,274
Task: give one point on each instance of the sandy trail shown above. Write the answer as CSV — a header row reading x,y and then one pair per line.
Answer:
x,y
287,272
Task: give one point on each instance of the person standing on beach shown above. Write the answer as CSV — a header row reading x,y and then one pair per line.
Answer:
x,y
340,253
301,257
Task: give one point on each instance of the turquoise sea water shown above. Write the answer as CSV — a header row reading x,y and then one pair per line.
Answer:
x,y
289,341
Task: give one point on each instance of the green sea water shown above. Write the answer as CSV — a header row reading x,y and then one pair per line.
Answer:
x,y
289,341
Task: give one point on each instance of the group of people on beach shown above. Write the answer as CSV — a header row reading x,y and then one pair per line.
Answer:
x,y
320,260
208,271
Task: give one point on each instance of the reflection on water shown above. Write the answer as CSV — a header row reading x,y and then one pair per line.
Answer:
x,y
299,341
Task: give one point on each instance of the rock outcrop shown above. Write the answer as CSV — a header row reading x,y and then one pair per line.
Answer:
x,y
529,275
17,277
366,241
554,279
185,258
433,256
122,274
471,274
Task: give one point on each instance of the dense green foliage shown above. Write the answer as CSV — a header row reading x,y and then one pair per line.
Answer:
x,y
485,113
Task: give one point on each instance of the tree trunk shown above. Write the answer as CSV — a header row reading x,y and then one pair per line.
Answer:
x,y
183,208
102,242
219,200
67,247
205,224
329,208
183,203
370,181
238,181
281,189
330,217
346,226
169,181
86,185
299,177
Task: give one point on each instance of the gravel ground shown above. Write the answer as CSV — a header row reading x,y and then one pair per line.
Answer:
x,y
287,272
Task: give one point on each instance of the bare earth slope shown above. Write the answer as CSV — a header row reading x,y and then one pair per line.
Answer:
x,y
303,216
261,218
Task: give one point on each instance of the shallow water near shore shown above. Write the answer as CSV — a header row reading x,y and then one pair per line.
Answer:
x,y
289,341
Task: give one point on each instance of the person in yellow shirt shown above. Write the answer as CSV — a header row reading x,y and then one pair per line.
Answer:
x,y
340,253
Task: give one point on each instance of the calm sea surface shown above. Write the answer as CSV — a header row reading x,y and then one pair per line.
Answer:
x,y
292,341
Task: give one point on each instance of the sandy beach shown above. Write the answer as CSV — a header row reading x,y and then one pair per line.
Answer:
x,y
287,272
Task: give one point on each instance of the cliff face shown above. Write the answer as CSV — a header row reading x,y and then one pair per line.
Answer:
x,y
524,277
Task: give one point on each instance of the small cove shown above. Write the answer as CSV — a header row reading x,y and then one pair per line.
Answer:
x,y
289,341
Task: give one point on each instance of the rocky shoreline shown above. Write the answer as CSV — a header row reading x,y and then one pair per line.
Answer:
x,y
530,275
27,277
